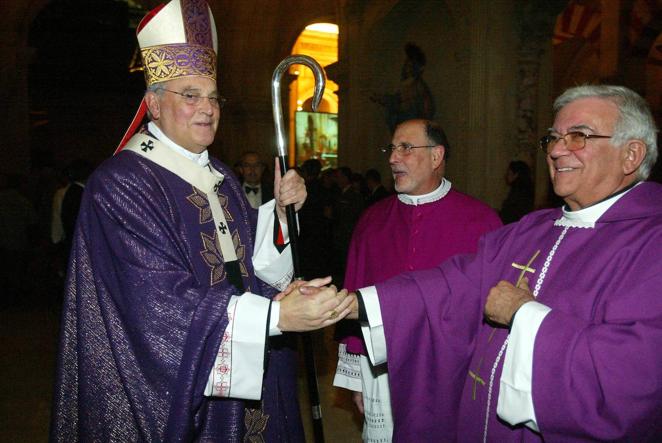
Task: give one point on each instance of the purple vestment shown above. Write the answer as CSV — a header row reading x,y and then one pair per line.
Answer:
x,y
393,237
145,312
597,365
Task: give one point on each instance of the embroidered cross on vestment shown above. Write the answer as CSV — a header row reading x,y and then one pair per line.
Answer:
x,y
147,146
222,227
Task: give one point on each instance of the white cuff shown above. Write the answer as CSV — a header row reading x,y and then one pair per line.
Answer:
x,y
240,375
373,332
515,404
274,318
271,266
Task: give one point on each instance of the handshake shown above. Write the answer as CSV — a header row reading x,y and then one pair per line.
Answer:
x,y
310,305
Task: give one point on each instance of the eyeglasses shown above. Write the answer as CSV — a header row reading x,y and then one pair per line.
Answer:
x,y
574,140
402,148
194,99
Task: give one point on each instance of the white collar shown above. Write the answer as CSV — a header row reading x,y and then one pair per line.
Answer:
x,y
430,197
587,217
201,159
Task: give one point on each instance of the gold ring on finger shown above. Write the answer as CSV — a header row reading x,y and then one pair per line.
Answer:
x,y
333,315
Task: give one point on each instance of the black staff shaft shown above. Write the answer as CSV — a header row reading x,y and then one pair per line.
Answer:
x,y
308,352
281,144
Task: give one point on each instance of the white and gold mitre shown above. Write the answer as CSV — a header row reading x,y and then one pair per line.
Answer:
x,y
178,40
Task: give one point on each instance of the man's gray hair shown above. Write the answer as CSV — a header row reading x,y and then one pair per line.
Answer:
x,y
635,120
156,88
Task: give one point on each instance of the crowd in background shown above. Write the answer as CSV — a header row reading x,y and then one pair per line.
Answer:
x,y
38,212
37,219
336,199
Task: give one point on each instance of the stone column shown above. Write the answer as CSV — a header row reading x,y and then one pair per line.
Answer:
x,y
610,37
346,73
488,119
535,22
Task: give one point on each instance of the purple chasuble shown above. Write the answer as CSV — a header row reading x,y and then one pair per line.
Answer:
x,y
597,365
145,312
393,237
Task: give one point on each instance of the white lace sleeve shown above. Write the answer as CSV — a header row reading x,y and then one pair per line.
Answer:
x,y
348,371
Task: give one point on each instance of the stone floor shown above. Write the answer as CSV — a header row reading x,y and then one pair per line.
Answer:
x,y
29,335
340,421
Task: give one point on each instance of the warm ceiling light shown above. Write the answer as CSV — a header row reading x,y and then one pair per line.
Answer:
x,y
323,27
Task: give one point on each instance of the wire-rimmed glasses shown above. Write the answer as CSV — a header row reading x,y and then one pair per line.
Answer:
x,y
194,99
402,148
574,140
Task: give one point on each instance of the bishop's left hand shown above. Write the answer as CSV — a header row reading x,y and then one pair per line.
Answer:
x,y
505,299
289,189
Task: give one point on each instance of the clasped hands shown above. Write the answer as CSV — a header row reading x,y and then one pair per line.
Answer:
x,y
310,305
504,300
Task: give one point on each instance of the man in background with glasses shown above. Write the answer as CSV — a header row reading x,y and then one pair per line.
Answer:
x,y
168,329
552,331
424,224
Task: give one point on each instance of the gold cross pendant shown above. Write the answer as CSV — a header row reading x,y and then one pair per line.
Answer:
x,y
525,268
477,378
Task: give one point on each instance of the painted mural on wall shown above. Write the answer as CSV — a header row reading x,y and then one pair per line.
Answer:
x,y
413,98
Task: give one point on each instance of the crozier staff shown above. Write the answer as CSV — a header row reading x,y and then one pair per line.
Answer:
x,y
168,331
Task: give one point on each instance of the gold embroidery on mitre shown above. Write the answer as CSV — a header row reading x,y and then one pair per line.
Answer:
x,y
256,422
166,62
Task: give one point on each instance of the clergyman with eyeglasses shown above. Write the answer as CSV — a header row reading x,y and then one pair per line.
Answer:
x,y
169,332
425,223
552,331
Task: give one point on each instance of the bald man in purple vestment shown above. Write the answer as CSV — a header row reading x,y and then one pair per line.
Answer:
x,y
427,222
552,331
169,331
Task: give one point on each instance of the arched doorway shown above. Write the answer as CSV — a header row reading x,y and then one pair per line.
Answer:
x,y
314,134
